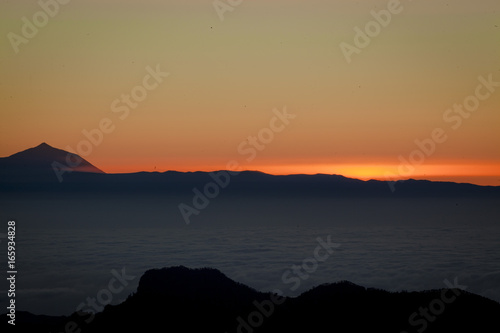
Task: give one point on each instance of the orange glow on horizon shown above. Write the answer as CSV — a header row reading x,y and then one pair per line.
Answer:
x,y
481,174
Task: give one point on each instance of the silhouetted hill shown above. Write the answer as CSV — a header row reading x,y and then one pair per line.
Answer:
x,y
32,170
38,163
205,300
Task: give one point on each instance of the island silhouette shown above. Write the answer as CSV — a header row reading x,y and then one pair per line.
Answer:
x,y
51,169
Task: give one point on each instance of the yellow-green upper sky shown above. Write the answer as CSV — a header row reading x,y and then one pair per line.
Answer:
x,y
67,70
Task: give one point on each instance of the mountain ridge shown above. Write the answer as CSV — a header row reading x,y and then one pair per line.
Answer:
x,y
44,168
204,299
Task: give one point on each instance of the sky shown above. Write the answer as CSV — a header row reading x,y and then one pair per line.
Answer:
x,y
366,89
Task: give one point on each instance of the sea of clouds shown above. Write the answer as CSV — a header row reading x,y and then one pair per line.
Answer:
x,y
60,268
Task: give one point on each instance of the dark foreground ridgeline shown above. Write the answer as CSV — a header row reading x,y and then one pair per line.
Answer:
x,y
180,299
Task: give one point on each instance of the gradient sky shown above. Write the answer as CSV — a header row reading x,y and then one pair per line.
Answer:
x,y
226,77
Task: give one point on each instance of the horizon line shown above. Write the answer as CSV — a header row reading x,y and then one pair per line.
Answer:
x,y
359,171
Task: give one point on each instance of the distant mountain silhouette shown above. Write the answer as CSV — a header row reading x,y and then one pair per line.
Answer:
x,y
33,169
205,300
38,163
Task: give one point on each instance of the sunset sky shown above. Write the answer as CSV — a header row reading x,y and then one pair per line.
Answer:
x,y
359,118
